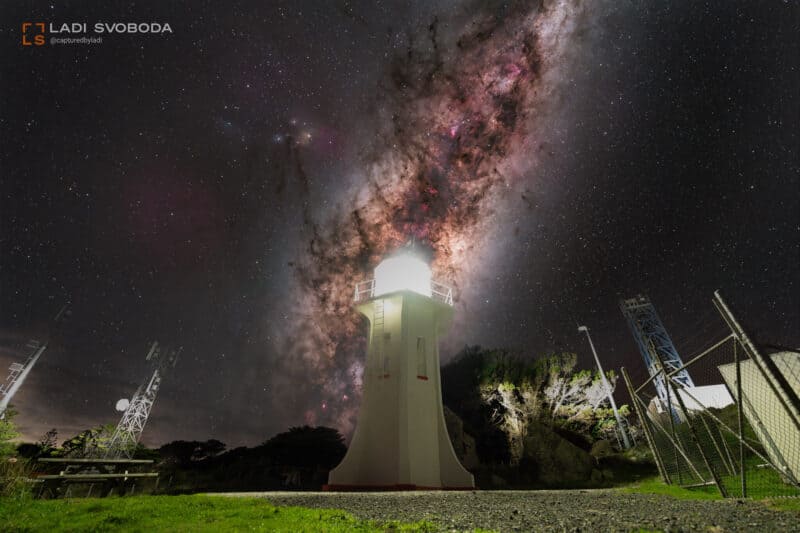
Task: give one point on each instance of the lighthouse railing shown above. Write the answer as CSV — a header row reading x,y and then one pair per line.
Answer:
x,y
441,292
365,290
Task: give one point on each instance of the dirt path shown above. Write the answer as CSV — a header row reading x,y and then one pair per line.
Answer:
x,y
562,510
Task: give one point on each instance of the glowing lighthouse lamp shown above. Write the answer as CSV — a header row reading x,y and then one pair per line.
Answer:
x,y
401,440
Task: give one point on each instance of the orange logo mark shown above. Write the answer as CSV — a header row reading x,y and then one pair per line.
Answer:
x,y
38,38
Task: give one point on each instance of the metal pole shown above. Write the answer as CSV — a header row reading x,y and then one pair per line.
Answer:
x,y
624,433
677,448
646,429
690,362
714,441
29,364
786,397
742,469
784,470
672,388
727,449
672,414
20,379
693,432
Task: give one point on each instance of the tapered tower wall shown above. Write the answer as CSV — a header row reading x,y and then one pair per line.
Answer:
x,y
401,440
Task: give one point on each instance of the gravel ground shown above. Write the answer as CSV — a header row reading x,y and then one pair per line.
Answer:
x,y
556,510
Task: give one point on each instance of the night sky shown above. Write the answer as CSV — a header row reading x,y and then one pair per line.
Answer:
x,y
222,188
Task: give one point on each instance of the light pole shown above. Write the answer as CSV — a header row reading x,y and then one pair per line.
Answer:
x,y
624,433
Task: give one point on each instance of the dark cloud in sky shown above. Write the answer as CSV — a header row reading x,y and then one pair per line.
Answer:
x,y
222,188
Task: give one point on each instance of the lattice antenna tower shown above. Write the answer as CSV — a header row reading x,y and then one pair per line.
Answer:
x,y
18,372
123,442
653,341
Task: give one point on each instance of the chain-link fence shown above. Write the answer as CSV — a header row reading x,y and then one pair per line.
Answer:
x,y
737,430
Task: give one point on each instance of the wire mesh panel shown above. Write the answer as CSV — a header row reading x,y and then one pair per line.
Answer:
x,y
733,431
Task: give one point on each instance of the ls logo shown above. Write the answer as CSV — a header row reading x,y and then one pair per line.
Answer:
x,y
33,37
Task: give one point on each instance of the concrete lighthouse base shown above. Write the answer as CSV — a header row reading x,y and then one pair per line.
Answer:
x,y
401,441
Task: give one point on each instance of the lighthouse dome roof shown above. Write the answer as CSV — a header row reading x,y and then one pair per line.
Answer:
x,y
403,271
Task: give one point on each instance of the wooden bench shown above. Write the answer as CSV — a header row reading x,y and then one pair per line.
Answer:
x,y
103,472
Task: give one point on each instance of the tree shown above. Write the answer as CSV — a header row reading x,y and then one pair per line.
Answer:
x,y
87,441
306,447
208,449
8,432
566,389
184,452
143,452
48,442
596,392
29,450
500,394
299,456
179,452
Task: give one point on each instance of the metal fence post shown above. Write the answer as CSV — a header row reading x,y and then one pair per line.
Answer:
x,y
740,418
787,398
714,441
692,431
672,415
650,439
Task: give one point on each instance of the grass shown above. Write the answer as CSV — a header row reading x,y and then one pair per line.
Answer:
x,y
783,504
761,483
196,513
656,486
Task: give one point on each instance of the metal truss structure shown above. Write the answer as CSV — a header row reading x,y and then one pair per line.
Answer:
x,y
123,442
655,344
18,372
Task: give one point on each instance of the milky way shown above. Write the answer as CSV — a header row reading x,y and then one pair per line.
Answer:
x,y
224,187
459,109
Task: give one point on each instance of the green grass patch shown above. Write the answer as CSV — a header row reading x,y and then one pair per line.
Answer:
x,y
758,492
761,483
656,486
783,504
196,513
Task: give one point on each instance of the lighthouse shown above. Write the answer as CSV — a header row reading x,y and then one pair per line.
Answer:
x,y
401,440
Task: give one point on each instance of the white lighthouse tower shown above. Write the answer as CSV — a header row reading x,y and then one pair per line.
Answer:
x,y
401,440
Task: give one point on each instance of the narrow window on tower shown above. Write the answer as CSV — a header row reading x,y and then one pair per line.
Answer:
x,y
386,362
422,359
377,357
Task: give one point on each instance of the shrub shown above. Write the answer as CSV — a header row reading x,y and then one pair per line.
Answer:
x,y
14,475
